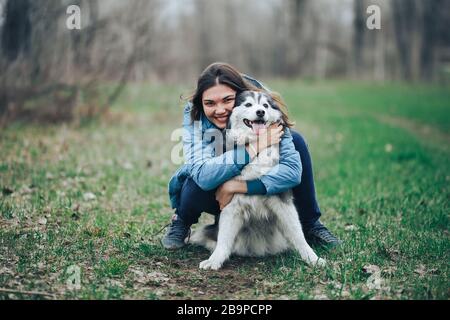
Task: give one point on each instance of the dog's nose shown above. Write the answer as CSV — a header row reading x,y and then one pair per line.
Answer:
x,y
260,113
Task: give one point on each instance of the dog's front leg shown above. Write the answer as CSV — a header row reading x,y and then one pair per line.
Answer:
x,y
291,226
229,225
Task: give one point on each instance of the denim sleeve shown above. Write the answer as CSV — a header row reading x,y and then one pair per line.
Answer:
x,y
288,172
210,168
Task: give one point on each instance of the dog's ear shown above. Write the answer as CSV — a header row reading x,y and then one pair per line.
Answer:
x,y
240,98
272,103
282,122
275,106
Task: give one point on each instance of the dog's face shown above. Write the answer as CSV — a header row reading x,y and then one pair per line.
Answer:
x,y
253,112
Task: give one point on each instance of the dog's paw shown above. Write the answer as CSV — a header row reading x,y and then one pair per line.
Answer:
x,y
320,262
210,264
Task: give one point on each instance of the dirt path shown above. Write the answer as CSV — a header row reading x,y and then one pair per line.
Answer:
x,y
423,132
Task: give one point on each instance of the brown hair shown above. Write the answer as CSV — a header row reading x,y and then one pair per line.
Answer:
x,y
283,109
223,73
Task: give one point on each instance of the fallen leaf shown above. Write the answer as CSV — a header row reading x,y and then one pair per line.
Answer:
x,y
5,271
144,278
89,196
371,269
158,277
25,190
394,254
284,270
422,270
159,292
390,270
375,281
41,266
127,166
339,137
42,221
114,283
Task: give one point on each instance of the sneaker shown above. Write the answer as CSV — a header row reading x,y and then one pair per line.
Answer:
x,y
319,235
177,233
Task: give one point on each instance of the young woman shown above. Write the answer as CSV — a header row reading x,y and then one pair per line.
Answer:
x,y
204,183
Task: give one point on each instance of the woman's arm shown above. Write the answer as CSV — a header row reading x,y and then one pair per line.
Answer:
x,y
210,168
226,191
288,173
284,176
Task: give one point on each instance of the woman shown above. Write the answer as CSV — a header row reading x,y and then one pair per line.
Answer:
x,y
205,184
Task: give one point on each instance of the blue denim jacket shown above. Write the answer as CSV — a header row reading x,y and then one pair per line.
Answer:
x,y
210,168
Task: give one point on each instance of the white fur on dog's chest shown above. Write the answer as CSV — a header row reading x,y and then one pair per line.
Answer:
x,y
260,165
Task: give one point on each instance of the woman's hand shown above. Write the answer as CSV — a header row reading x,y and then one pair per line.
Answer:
x,y
268,137
226,191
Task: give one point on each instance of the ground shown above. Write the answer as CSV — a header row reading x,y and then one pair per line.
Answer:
x,y
91,197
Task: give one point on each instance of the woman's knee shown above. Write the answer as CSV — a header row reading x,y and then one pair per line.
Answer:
x,y
194,198
190,193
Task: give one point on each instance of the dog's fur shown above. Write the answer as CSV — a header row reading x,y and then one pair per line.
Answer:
x,y
254,225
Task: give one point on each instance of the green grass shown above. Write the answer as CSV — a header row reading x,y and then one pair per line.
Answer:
x,y
380,156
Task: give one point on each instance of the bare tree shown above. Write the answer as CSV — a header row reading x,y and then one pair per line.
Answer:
x,y
45,63
359,27
46,66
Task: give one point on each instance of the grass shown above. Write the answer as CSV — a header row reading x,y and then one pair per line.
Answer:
x,y
95,196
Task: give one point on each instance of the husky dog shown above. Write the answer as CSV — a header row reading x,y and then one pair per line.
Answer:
x,y
254,225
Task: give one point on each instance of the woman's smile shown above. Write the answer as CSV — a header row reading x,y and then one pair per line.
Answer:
x,y
222,118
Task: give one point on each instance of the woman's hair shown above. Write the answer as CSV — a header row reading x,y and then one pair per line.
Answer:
x,y
225,74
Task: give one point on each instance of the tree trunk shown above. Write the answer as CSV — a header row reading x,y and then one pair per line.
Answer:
x,y
358,36
431,26
16,29
294,54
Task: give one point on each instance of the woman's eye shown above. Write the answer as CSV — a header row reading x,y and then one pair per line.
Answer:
x,y
248,105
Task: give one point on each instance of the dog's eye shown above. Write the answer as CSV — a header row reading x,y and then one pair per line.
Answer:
x,y
248,105
265,105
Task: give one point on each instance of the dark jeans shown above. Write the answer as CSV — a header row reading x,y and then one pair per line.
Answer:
x,y
194,200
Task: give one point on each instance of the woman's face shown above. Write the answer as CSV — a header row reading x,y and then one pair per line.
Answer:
x,y
218,102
